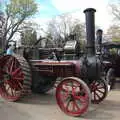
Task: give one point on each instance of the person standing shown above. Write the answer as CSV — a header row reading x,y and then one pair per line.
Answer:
x,y
10,50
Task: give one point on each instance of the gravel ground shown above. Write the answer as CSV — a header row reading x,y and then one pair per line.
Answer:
x,y
44,107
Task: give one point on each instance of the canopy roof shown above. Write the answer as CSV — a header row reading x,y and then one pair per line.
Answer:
x,y
111,44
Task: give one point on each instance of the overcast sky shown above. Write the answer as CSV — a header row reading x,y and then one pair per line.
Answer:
x,y
51,8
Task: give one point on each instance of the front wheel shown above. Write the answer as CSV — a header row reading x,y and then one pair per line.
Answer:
x,y
99,90
73,96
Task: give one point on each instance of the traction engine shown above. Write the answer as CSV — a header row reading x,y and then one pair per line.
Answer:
x,y
81,80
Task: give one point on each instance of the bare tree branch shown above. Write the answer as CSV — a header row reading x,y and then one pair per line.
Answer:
x,y
16,15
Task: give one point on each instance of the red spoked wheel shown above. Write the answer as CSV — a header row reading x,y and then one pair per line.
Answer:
x,y
99,91
12,78
73,96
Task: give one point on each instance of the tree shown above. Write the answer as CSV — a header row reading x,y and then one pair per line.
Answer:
x,y
79,30
62,26
114,32
115,10
17,11
28,37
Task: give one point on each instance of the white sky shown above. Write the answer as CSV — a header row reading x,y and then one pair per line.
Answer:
x,y
103,16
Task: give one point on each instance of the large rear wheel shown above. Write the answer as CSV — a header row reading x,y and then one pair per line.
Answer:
x,y
15,77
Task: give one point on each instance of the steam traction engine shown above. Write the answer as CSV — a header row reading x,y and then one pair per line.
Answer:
x,y
81,79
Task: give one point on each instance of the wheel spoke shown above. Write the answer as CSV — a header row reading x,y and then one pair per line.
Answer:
x,y
11,67
94,96
100,87
18,78
7,82
8,88
16,84
81,98
67,105
97,95
12,92
76,105
97,84
73,91
15,63
16,72
73,106
64,96
20,84
8,64
65,90
100,91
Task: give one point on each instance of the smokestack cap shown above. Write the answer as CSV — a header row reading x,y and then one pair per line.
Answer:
x,y
89,10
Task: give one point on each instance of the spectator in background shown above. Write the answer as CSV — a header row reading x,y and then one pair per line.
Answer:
x,y
10,50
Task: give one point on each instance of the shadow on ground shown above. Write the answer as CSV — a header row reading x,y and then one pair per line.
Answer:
x,y
40,99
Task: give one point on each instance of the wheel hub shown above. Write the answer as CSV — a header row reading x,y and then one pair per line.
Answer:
x,y
94,88
7,76
71,97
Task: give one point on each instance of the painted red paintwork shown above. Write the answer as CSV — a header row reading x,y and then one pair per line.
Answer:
x,y
57,68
